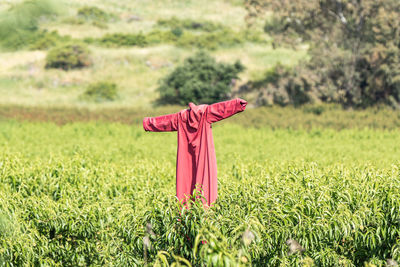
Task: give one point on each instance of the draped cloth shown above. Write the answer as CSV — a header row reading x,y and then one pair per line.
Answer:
x,y
196,164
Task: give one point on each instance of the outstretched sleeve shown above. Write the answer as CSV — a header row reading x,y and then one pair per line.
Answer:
x,y
223,110
166,123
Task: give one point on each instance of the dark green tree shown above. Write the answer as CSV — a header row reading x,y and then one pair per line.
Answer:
x,y
199,79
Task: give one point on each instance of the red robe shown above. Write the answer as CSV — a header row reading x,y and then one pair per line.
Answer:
x,y
196,165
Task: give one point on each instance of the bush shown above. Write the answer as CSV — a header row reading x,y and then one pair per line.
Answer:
x,y
200,79
211,40
101,91
68,56
46,40
189,24
123,39
177,31
158,36
74,20
283,86
94,14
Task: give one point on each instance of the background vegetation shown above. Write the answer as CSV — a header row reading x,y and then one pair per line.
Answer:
x,y
313,160
137,45
354,51
200,79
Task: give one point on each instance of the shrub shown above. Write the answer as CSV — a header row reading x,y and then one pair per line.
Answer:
x,y
74,20
200,79
46,40
283,86
122,39
177,31
93,13
68,56
211,40
189,24
101,91
158,36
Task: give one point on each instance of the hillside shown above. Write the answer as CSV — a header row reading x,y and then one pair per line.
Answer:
x,y
136,70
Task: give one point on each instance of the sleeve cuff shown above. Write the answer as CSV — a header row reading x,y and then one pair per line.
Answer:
x,y
145,123
242,104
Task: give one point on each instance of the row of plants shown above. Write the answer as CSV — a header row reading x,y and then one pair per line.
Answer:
x,y
89,194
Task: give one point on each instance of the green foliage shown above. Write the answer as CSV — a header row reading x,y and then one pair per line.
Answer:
x,y
325,77
175,36
199,79
68,56
94,14
46,40
101,91
84,193
19,26
162,37
74,20
123,39
189,24
177,31
355,47
210,41
281,86
180,37
5,225
379,75
274,26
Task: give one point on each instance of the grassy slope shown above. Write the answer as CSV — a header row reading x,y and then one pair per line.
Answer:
x,y
23,79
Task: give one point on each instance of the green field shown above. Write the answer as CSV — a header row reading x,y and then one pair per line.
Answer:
x,y
82,184
82,194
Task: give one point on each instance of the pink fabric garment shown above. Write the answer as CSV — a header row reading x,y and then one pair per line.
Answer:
x,y
196,164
